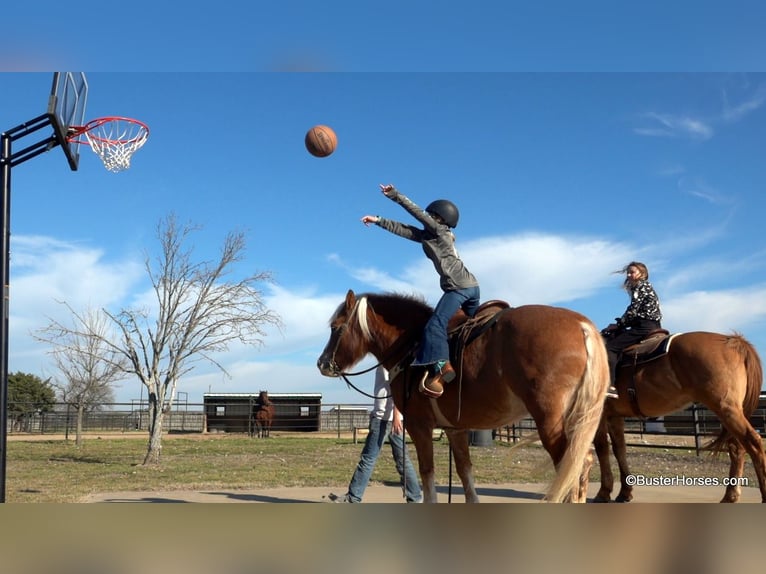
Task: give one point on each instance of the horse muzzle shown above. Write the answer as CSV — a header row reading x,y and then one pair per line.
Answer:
x,y
328,367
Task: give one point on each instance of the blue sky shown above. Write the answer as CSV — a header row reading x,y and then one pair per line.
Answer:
x,y
397,35
561,179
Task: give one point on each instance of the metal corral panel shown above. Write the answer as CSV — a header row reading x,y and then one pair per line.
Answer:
x,y
232,412
699,419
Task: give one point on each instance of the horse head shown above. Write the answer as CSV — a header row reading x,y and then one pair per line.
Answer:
x,y
347,345
371,324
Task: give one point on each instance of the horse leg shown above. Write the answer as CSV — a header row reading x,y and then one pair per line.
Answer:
x,y
616,427
555,441
458,440
582,494
736,469
422,436
734,420
601,444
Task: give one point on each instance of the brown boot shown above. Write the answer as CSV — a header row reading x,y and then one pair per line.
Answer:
x,y
433,385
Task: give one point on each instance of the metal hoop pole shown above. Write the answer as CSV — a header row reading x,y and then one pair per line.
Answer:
x,y
5,250
7,161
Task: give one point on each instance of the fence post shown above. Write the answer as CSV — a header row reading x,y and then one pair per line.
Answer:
x,y
697,432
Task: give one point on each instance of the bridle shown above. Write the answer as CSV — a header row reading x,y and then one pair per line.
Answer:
x,y
340,331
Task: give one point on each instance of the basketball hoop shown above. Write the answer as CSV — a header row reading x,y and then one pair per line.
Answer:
x,y
114,139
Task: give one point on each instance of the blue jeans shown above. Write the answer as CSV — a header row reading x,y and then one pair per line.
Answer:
x,y
435,345
379,431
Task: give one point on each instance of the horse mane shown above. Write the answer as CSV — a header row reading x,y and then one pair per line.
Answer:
x,y
408,305
411,306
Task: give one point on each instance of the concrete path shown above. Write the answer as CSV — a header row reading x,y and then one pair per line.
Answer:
x,y
496,493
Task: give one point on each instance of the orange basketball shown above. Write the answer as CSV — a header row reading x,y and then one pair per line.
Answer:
x,y
321,141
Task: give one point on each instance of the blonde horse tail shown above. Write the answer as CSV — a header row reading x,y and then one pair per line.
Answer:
x,y
754,371
583,416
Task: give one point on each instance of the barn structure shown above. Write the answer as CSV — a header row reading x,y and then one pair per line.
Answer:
x,y
233,412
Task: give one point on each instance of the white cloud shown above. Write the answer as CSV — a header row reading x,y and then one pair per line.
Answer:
x,y
684,126
45,272
529,268
698,187
277,377
669,125
718,311
572,271
734,113
548,269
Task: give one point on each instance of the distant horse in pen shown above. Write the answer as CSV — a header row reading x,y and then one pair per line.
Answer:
x,y
547,362
667,373
263,415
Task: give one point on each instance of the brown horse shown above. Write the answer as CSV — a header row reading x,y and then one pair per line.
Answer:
x,y
263,416
722,372
544,361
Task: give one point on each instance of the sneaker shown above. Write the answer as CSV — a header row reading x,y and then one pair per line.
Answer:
x,y
611,392
433,385
338,498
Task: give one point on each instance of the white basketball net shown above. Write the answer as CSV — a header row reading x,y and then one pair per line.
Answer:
x,y
115,140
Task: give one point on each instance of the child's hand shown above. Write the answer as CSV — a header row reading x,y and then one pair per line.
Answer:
x,y
387,189
367,219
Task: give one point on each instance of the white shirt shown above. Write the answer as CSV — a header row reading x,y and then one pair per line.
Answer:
x,y
383,407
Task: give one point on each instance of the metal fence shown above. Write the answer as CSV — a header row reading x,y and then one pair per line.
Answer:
x,y
190,418
696,421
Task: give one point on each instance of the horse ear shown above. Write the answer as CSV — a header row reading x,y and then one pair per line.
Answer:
x,y
350,299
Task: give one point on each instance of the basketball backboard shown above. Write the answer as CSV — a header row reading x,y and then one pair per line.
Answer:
x,y
66,108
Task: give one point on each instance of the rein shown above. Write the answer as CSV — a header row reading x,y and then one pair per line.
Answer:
x,y
345,375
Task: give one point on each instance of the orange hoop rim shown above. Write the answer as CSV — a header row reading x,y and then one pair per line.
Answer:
x,y
75,132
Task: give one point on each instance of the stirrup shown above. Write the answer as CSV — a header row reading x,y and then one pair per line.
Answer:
x,y
425,390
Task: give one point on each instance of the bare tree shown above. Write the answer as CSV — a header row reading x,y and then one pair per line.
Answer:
x,y
87,363
197,314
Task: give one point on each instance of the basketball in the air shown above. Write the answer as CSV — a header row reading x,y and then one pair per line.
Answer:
x,y
321,141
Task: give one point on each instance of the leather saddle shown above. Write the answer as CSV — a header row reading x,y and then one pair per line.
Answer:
x,y
654,346
483,314
462,329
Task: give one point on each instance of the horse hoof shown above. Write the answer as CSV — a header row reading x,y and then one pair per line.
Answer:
x,y
622,498
600,500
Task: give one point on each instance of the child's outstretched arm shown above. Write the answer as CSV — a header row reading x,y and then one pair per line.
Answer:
x,y
410,206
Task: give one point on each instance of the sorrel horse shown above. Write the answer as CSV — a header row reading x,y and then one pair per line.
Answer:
x,y
722,372
544,361
263,416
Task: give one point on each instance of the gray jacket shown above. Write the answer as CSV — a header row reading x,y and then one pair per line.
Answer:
x,y
437,241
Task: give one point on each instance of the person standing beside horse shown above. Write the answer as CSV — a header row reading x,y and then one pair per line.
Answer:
x,y
460,288
385,422
641,318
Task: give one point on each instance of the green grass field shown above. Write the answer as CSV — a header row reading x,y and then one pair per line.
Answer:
x,y
58,471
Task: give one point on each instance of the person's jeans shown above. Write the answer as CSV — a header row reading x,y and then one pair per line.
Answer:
x,y
379,431
435,345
